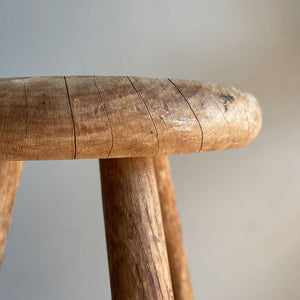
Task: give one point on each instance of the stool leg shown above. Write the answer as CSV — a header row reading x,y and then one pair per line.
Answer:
x,y
176,253
10,175
137,255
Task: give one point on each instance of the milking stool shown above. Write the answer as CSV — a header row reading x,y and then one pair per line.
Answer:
x,y
130,124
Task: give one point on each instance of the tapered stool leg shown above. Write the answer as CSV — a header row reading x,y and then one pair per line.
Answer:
x,y
10,175
176,253
137,255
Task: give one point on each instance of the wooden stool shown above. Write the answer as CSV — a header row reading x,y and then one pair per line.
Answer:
x,y
130,124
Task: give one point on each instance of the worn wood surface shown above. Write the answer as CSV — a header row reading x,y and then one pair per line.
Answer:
x,y
10,175
99,117
181,281
136,247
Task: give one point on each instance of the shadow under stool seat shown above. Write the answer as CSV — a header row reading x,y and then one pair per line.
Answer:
x,y
130,124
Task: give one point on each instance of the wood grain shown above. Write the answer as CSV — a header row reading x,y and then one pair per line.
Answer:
x,y
181,281
10,175
229,117
35,119
99,117
136,247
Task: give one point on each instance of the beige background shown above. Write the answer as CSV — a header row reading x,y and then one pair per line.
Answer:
x,y
240,209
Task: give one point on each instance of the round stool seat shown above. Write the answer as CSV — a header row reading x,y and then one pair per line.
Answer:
x,y
51,118
130,124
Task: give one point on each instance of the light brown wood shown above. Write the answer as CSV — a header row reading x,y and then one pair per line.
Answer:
x,y
35,119
136,247
99,117
229,118
181,281
10,175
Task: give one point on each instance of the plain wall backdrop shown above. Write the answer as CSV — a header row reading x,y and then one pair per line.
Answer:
x,y
240,209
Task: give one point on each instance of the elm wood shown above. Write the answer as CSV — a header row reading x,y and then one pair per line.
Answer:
x,y
137,255
176,124
99,117
10,175
35,119
181,281
90,117
236,113
133,131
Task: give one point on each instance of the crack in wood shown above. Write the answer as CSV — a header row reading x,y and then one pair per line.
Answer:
x,y
109,122
141,97
72,116
27,118
201,129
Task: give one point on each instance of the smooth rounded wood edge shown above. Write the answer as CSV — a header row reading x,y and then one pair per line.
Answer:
x,y
10,175
181,281
74,117
137,255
